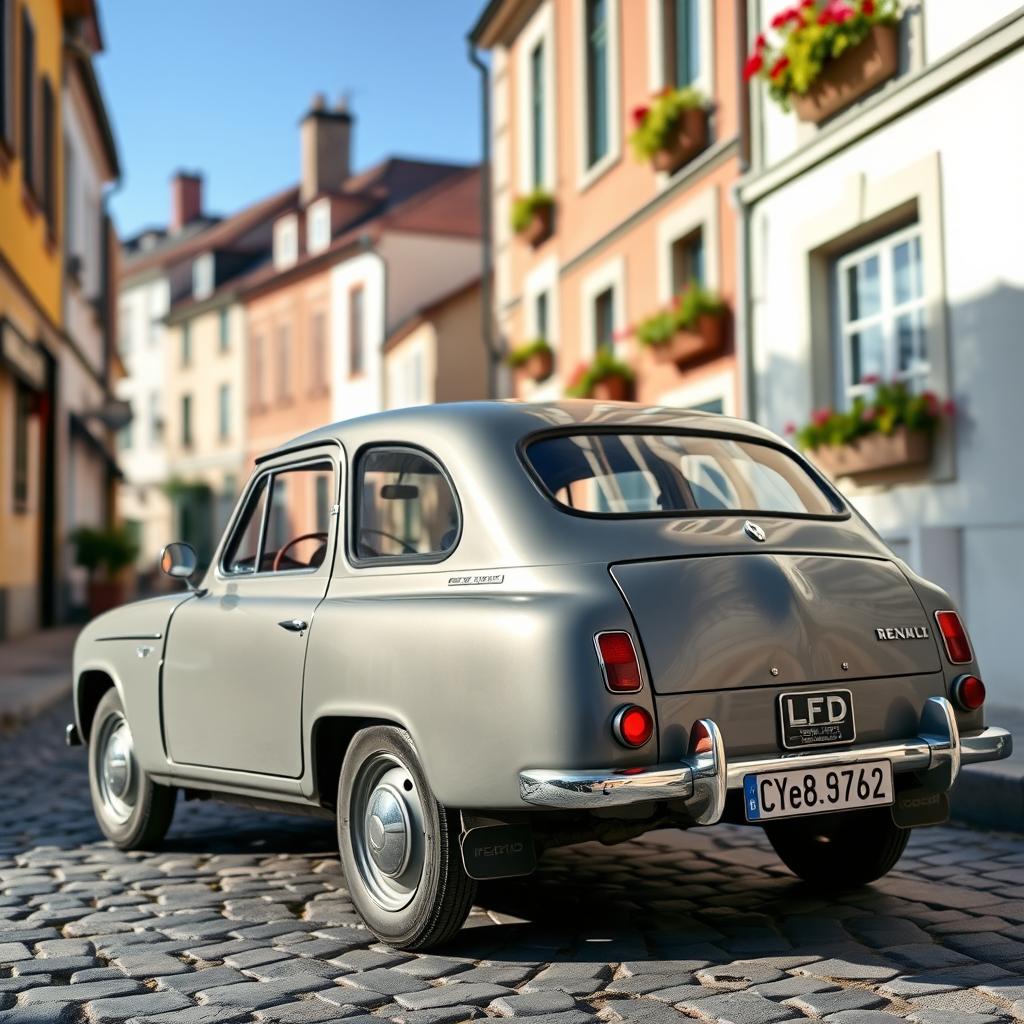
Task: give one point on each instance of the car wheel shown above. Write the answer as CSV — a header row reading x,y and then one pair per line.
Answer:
x,y
399,846
840,851
133,811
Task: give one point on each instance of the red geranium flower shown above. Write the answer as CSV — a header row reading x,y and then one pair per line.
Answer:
x,y
639,113
753,66
835,13
760,42
778,67
821,416
871,378
790,427
785,17
867,7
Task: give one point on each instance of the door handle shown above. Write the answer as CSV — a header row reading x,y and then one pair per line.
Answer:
x,y
293,625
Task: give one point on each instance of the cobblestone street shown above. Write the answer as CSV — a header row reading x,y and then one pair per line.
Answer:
x,y
244,917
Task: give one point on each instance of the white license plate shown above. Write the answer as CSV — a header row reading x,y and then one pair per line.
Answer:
x,y
817,790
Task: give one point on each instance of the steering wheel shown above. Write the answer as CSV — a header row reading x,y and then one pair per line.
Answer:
x,y
279,557
407,548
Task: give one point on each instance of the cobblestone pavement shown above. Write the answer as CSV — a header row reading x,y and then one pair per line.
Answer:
x,y
244,917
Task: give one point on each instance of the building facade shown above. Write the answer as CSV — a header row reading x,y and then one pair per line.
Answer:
x,y
882,243
56,334
569,79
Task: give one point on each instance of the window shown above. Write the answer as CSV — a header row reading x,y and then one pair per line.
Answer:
x,y
674,474
598,86
186,421
28,93
224,411
156,420
317,354
7,73
23,403
318,226
186,343
48,171
682,41
541,304
881,315
537,100
124,330
243,548
223,330
284,365
356,341
604,319
297,533
687,261
256,371
125,437
286,242
406,509
203,276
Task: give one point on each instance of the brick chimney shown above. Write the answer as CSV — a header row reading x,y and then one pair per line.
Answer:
x,y
326,139
186,199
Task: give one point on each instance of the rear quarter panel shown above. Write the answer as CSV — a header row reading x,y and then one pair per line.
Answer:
x,y
488,679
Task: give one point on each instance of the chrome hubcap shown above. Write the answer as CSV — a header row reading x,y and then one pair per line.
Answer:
x,y
386,822
116,773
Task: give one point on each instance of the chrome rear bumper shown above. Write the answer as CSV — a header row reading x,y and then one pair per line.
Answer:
x,y
703,780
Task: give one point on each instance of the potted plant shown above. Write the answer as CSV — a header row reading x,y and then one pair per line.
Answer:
x,y
533,216
606,379
824,55
693,328
533,359
671,130
892,429
106,551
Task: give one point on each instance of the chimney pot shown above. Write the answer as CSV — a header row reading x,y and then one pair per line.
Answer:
x,y
318,102
326,145
186,199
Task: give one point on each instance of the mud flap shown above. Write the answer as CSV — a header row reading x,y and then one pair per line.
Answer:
x,y
498,851
917,806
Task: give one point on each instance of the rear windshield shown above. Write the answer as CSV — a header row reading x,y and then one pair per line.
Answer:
x,y
674,474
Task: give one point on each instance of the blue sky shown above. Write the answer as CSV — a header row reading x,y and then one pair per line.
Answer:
x,y
220,85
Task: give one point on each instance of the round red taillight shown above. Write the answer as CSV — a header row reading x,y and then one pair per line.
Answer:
x,y
969,692
632,726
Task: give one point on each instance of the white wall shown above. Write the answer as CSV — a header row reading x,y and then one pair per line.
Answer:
x,y
968,530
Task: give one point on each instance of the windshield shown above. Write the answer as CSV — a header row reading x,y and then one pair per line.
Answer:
x,y
674,474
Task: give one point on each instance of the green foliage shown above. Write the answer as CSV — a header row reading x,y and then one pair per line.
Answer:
x,y
526,206
522,354
689,305
605,365
892,405
658,123
807,36
111,549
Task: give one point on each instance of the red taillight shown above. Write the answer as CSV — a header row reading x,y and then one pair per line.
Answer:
x,y
969,692
954,637
619,661
632,726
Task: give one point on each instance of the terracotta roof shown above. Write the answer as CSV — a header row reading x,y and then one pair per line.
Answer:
x,y
449,208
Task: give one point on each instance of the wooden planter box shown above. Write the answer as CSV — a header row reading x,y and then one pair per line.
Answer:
x,y
538,367
686,346
902,449
690,139
540,226
850,76
613,389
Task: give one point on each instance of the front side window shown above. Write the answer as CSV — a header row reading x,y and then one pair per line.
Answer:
x,y
674,474
243,548
882,315
405,507
597,84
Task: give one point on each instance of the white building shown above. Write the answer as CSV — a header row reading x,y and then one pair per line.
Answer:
x,y
909,201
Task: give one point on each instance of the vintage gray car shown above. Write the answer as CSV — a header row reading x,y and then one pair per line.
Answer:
x,y
471,632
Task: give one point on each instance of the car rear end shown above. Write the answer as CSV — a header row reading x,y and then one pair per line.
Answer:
x,y
790,676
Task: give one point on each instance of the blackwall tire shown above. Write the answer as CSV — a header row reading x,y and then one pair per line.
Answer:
x,y
132,810
840,851
399,847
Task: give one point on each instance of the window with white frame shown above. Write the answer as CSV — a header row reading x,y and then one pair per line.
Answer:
x,y
286,242
542,315
535,97
604,319
881,314
598,84
202,276
687,260
681,30
318,226
537,126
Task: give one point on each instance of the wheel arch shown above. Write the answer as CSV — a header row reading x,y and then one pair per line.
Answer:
x,y
330,738
90,688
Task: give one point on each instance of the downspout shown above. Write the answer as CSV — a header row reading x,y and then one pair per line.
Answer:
x,y
486,289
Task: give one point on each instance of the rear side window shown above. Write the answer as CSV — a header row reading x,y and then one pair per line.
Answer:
x,y
406,509
674,474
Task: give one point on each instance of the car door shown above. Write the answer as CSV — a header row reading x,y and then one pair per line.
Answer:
x,y
232,676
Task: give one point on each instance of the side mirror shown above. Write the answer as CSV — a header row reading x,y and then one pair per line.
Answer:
x,y
178,560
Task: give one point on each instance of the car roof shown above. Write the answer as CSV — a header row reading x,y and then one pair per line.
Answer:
x,y
512,421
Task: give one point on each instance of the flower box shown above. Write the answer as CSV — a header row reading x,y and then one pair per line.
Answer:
x,y
902,449
687,345
689,139
540,227
615,388
538,366
850,76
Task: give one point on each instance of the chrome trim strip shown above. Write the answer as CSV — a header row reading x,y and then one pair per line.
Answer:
x,y
130,636
991,744
614,787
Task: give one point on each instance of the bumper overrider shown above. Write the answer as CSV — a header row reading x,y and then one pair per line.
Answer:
x,y
702,780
